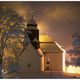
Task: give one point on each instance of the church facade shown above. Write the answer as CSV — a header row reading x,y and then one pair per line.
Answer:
x,y
40,54
53,54
31,60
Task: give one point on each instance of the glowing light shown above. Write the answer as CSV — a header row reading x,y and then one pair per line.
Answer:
x,y
42,27
73,69
70,69
45,38
63,59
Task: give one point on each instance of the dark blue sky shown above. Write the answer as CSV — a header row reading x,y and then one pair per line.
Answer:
x,y
56,19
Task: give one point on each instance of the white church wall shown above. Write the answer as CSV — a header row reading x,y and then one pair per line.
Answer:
x,y
30,60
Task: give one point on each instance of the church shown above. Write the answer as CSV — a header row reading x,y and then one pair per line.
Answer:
x,y
42,53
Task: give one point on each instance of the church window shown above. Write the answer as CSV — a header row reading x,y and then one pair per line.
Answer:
x,y
47,68
29,65
47,61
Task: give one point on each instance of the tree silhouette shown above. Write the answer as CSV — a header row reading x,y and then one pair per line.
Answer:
x,y
75,52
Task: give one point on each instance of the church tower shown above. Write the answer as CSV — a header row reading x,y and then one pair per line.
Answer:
x,y
33,32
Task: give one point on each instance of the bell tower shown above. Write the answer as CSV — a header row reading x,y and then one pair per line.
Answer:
x,y
33,32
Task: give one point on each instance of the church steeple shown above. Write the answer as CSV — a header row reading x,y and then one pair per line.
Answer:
x,y
33,32
31,22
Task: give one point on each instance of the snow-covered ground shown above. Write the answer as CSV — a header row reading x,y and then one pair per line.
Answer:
x,y
41,75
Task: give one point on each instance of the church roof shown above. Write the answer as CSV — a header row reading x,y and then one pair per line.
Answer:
x,y
48,45
30,49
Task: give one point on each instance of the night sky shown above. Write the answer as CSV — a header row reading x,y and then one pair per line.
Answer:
x,y
56,19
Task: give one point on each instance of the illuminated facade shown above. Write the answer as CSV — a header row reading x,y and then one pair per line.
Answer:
x,y
53,54
42,53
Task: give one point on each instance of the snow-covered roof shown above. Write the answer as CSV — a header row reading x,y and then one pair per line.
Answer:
x,y
48,45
